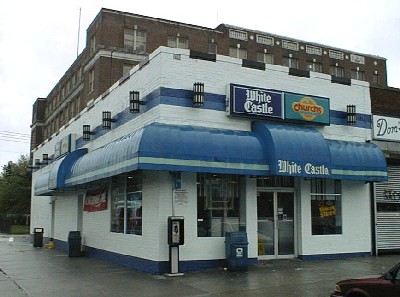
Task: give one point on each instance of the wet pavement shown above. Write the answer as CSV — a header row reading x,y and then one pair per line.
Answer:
x,y
28,271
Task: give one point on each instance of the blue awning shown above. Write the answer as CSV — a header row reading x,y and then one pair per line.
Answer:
x,y
60,168
357,161
174,148
41,186
47,183
303,151
295,150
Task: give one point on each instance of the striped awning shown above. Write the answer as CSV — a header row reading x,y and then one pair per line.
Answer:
x,y
294,150
173,148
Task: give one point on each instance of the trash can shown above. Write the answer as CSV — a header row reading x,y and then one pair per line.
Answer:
x,y
236,251
38,237
5,225
74,244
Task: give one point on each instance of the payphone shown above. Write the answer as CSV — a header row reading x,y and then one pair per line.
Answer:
x,y
176,231
176,237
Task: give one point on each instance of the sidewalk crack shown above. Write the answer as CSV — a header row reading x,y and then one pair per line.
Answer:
x,y
11,279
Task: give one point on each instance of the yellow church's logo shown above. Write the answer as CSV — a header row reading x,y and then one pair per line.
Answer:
x,y
308,108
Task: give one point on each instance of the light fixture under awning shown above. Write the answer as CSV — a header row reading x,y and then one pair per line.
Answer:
x,y
174,148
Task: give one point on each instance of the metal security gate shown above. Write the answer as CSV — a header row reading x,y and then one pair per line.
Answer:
x,y
387,196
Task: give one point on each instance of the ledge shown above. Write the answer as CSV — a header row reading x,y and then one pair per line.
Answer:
x,y
253,64
299,72
203,56
341,80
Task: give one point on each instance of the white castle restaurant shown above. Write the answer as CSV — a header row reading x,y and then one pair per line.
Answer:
x,y
222,144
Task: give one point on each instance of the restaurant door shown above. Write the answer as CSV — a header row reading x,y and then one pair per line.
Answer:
x,y
275,224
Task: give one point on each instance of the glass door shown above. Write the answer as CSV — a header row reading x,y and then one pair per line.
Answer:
x,y
275,224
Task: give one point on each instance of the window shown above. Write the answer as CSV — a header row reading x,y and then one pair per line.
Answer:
x,y
336,55
357,74
79,76
290,62
375,78
237,34
265,58
276,181
294,46
126,203
134,40
313,50
212,48
326,207
337,71
178,42
314,66
91,80
92,44
72,108
77,104
218,204
357,59
126,69
267,40
237,52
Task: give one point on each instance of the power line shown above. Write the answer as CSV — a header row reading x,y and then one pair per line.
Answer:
x,y
11,132
21,153
14,137
15,140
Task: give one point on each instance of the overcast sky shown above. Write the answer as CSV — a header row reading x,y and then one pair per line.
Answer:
x,y
39,40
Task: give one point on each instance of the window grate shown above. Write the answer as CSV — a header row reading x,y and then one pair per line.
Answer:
x,y
336,55
236,34
294,46
313,50
267,40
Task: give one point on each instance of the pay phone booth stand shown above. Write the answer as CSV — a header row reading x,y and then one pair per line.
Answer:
x,y
176,233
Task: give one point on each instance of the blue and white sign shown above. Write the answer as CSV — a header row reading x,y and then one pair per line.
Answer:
x,y
251,101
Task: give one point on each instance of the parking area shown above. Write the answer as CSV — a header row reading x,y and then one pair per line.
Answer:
x,y
29,271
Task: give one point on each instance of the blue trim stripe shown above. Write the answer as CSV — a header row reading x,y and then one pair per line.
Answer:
x,y
146,265
183,98
334,256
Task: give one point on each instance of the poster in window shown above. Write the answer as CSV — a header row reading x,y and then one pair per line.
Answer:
x,y
96,200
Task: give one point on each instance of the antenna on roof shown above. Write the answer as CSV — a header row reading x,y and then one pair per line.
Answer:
x,y
79,30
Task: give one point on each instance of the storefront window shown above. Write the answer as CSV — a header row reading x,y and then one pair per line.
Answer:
x,y
276,181
218,204
326,207
126,203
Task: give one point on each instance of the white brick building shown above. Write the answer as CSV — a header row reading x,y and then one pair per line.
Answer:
x,y
291,173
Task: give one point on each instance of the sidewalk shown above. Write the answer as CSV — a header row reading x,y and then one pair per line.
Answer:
x,y
37,272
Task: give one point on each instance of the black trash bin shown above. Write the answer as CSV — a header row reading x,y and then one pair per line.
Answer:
x,y
38,237
5,225
74,244
236,251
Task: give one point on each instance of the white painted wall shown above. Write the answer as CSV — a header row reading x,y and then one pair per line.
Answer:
x,y
356,223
